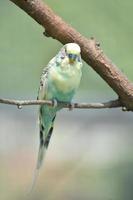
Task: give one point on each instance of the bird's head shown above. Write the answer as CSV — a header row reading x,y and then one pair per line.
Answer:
x,y
72,51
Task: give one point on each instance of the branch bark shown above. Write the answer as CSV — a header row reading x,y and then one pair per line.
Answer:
x,y
19,104
56,28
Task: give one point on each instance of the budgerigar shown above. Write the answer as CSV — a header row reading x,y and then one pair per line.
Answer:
x,y
59,81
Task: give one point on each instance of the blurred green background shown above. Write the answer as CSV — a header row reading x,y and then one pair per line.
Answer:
x,y
90,155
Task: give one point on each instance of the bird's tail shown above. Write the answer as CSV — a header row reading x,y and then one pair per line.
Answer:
x,y
41,154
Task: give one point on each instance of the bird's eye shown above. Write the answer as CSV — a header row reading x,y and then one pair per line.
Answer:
x,y
63,53
62,57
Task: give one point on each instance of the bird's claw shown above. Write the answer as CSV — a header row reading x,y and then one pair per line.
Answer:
x,y
54,103
19,106
71,106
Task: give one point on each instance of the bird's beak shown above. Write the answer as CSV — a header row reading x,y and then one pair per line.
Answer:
x,y
72,58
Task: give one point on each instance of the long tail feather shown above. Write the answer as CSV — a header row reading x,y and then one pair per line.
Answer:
x,y
41,154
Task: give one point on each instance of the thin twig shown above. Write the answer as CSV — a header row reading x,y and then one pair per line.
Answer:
x,y
20,103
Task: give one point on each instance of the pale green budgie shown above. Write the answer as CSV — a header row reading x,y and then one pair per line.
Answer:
x,y
59,81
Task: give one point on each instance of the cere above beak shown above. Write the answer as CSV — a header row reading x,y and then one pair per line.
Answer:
x,y
72,57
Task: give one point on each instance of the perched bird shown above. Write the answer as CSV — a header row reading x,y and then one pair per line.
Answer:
x,y
59,81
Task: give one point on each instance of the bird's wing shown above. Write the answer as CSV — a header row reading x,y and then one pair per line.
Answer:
x,y
44,135
43,84
44,80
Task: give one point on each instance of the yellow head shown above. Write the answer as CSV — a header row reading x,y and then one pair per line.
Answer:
x,y
72,51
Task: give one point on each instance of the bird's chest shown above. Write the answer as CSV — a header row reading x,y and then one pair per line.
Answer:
x,y
64,83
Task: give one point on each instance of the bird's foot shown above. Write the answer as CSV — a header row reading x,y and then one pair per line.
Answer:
x,y
54,103
71,106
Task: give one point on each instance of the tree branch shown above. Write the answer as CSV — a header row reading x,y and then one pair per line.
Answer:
x,y
19,104
56,28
